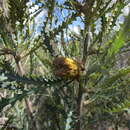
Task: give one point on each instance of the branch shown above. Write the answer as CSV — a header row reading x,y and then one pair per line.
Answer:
x,y
79,101
86,43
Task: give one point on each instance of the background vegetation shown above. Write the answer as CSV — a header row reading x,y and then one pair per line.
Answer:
x,y
33,33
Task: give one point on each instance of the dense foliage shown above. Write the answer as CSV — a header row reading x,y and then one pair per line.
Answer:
x,y
95,34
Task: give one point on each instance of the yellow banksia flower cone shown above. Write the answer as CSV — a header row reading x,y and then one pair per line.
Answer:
x,y
67,67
